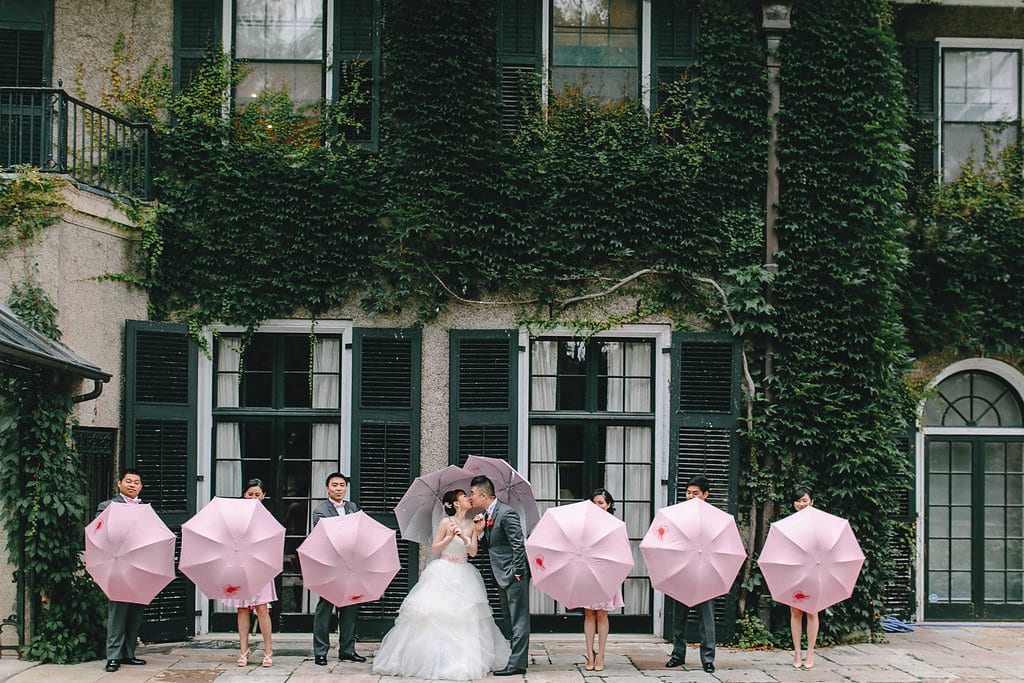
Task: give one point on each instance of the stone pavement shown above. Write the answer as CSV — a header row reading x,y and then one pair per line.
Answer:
x,y
947,653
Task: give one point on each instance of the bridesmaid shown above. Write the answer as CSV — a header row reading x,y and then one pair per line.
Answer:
x,y
595,616
802,498
259,604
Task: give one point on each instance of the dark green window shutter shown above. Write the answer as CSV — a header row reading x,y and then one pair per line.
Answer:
x,y
483,369
673,43
899,594
921,87
357,65
21,58
704,423
197,28
160,441
519,40
386,446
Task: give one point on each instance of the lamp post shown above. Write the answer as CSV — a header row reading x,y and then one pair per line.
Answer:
x,y
775,22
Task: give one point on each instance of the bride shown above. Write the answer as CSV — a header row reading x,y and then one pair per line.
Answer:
x,y
444,628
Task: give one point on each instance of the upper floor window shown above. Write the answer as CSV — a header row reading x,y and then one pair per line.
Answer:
x,y
315,50
981,104
613,48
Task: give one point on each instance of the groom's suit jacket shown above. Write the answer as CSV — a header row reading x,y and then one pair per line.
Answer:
x,y
119,498
506,545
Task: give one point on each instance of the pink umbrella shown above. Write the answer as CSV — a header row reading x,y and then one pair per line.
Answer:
x,y
349,559
579,554
693,551
419,511
509,486
232,548
811,560
129,552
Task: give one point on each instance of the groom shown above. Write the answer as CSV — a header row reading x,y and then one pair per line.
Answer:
x,y
500,529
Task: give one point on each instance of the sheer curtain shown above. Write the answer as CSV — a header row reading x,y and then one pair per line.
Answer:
x,y
326,372
543,444
228,440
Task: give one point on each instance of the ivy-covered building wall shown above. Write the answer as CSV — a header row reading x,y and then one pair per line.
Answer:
x,y
401,233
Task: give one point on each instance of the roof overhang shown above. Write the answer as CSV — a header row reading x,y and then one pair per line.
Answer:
x,y
22,346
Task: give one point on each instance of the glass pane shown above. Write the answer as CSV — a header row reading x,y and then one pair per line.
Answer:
x,y
259,355
938,555
994,494
938,587
257,389
995,523
960,489
1015,457
296,354
1014,494
1014,522
960,554
938,522
1014,554
963,142
607,83
938,456
302,81
961,456
995,457
1014,587
994,587
297,441
297,390
960,586
938,489
960,523
980,85
279,29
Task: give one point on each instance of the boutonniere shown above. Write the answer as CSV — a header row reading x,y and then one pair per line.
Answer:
x,y
490,523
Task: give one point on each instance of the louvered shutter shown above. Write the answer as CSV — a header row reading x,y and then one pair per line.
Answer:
x,y
160,441
483,368
197,29
357,64
704,422
921,86
385,447
674,43
899,594
518,59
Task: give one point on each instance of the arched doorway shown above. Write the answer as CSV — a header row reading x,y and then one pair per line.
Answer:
x,y
973,476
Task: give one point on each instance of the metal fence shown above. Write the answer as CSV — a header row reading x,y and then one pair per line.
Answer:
x,y
50,130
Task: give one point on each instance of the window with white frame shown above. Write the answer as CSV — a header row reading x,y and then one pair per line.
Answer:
x,y
596,43
980,102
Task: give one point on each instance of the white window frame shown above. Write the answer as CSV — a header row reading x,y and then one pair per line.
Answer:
x,y
972,44
661,335
1005,372
204,410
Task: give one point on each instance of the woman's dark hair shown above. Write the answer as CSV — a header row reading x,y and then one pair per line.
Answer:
x,y
607,496
254,482
448,501
799,492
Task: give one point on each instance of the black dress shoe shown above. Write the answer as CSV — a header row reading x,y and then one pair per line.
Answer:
x,y
350,657
320,660
134,661
674,661
709,667
112,665
510,671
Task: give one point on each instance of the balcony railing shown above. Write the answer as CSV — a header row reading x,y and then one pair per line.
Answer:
x,y
50,130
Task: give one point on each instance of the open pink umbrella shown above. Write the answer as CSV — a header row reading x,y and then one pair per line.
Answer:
x,y
811,560
509,486
693,551
579,554
232,548
349,559
420,511
129,552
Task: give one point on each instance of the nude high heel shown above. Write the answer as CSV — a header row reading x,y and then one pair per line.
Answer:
x,y
243,658
598,662
590,662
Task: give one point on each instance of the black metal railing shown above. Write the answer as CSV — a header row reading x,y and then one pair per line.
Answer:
x,y
50,130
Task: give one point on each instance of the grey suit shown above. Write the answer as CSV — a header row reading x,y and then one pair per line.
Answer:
x,y
706,621
124,619
506,548
322,616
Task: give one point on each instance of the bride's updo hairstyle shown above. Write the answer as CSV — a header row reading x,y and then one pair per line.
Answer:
x,y
448,501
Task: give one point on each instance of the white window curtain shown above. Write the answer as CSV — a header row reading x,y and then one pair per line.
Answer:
x,y
326,373
229,360
229,459
543,366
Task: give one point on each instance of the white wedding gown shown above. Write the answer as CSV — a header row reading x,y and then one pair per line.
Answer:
x,y
444,628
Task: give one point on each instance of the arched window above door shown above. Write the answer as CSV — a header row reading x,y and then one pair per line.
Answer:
x,y
973,399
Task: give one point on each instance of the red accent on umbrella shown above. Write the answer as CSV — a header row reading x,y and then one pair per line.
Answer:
x,y
693,551
811,560
349,559
232,548
131,556
581,553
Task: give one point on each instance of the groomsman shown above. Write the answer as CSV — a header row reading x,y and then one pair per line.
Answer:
x,y
123,618
335,506
697,487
